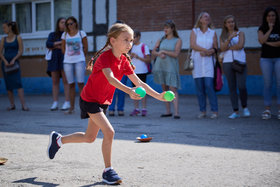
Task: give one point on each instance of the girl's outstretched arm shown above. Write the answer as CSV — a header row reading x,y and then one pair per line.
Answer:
x,y
136,81
115,82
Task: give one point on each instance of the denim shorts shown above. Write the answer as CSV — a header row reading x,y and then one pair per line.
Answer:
x,y
73,70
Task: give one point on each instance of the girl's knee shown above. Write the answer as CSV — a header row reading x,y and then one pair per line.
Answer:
x,y
90,139
110,133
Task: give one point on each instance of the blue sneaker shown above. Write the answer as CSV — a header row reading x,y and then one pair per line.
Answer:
x,y
234,116
53,146
246,112
111,177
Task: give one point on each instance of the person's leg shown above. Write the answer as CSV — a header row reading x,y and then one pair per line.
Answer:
x,y
277,75
201,94
167,104
22,100
266,65
55,84
175,102
231,80
80,137
103,123
209,86
55,89
80,69
11,99
241,83
66,86
121,97
69,72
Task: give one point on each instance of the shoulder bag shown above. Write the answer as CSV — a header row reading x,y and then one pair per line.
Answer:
x,y
218,77
11,69
236,65
188,64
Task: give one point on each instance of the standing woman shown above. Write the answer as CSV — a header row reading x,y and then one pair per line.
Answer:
x,y
55,65
166,67
204,43
75,47
269,37
232,45
13,49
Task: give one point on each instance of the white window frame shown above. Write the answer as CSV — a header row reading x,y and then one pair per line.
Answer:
x,y
34,34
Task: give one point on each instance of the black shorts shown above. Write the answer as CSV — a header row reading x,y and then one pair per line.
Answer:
x,y
142,77
90,107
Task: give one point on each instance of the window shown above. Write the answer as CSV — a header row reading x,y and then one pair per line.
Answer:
x,y
35,18
23,17
6,15
62,8
43,20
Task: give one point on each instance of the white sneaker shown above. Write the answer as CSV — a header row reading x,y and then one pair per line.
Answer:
x,y
234,116
278,116
246,112
65,106
54,106
214,116
266,114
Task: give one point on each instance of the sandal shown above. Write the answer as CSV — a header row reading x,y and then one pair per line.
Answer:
x,y
121,113
266,114
70,111
11,108
166,115
25,109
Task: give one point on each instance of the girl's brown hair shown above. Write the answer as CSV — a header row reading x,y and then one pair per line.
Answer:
x,y
171,24
198,23
13,26
224,34
74,20
114,31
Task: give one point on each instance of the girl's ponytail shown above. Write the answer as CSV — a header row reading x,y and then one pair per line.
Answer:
x,y
90,63
129,59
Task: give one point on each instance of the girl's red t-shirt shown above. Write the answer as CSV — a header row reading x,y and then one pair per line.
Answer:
x,y
98,89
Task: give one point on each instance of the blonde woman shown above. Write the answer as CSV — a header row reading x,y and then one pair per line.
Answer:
x,y
204,43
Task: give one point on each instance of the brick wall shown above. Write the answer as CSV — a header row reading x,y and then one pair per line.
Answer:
x,y
149,15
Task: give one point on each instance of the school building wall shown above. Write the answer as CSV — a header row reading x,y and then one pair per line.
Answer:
x,y
148,16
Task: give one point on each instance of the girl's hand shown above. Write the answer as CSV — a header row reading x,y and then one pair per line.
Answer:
x,y
161,97
162,55
133,94
12,62
270,25
203,53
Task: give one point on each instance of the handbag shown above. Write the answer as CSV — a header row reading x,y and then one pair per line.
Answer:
x,y
218,77
48,55
188,64
237,66
11,69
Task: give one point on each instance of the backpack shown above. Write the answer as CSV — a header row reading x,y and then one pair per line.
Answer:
x,y
149,66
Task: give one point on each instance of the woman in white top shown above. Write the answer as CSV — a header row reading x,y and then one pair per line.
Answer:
x,y
232,45
74,47
204,43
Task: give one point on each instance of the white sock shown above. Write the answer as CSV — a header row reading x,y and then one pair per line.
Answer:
x,y
106,169
59,142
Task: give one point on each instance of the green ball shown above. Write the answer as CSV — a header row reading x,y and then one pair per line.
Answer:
x,y
141,91
169,96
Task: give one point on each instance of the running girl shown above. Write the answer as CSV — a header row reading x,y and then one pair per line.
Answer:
x,y
107,72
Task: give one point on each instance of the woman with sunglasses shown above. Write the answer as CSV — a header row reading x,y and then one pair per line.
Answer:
x,y
74,47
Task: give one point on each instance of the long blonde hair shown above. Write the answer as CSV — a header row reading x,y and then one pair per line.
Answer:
x,y
224,34
114,31
198,23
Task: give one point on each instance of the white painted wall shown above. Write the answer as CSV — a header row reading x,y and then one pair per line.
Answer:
x,y
87,20
112,11
100,12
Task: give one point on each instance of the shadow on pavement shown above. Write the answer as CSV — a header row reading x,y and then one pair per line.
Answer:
x,y
33,182
244,133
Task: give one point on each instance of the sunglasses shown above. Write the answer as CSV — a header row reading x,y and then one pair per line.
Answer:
x,y
67,24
